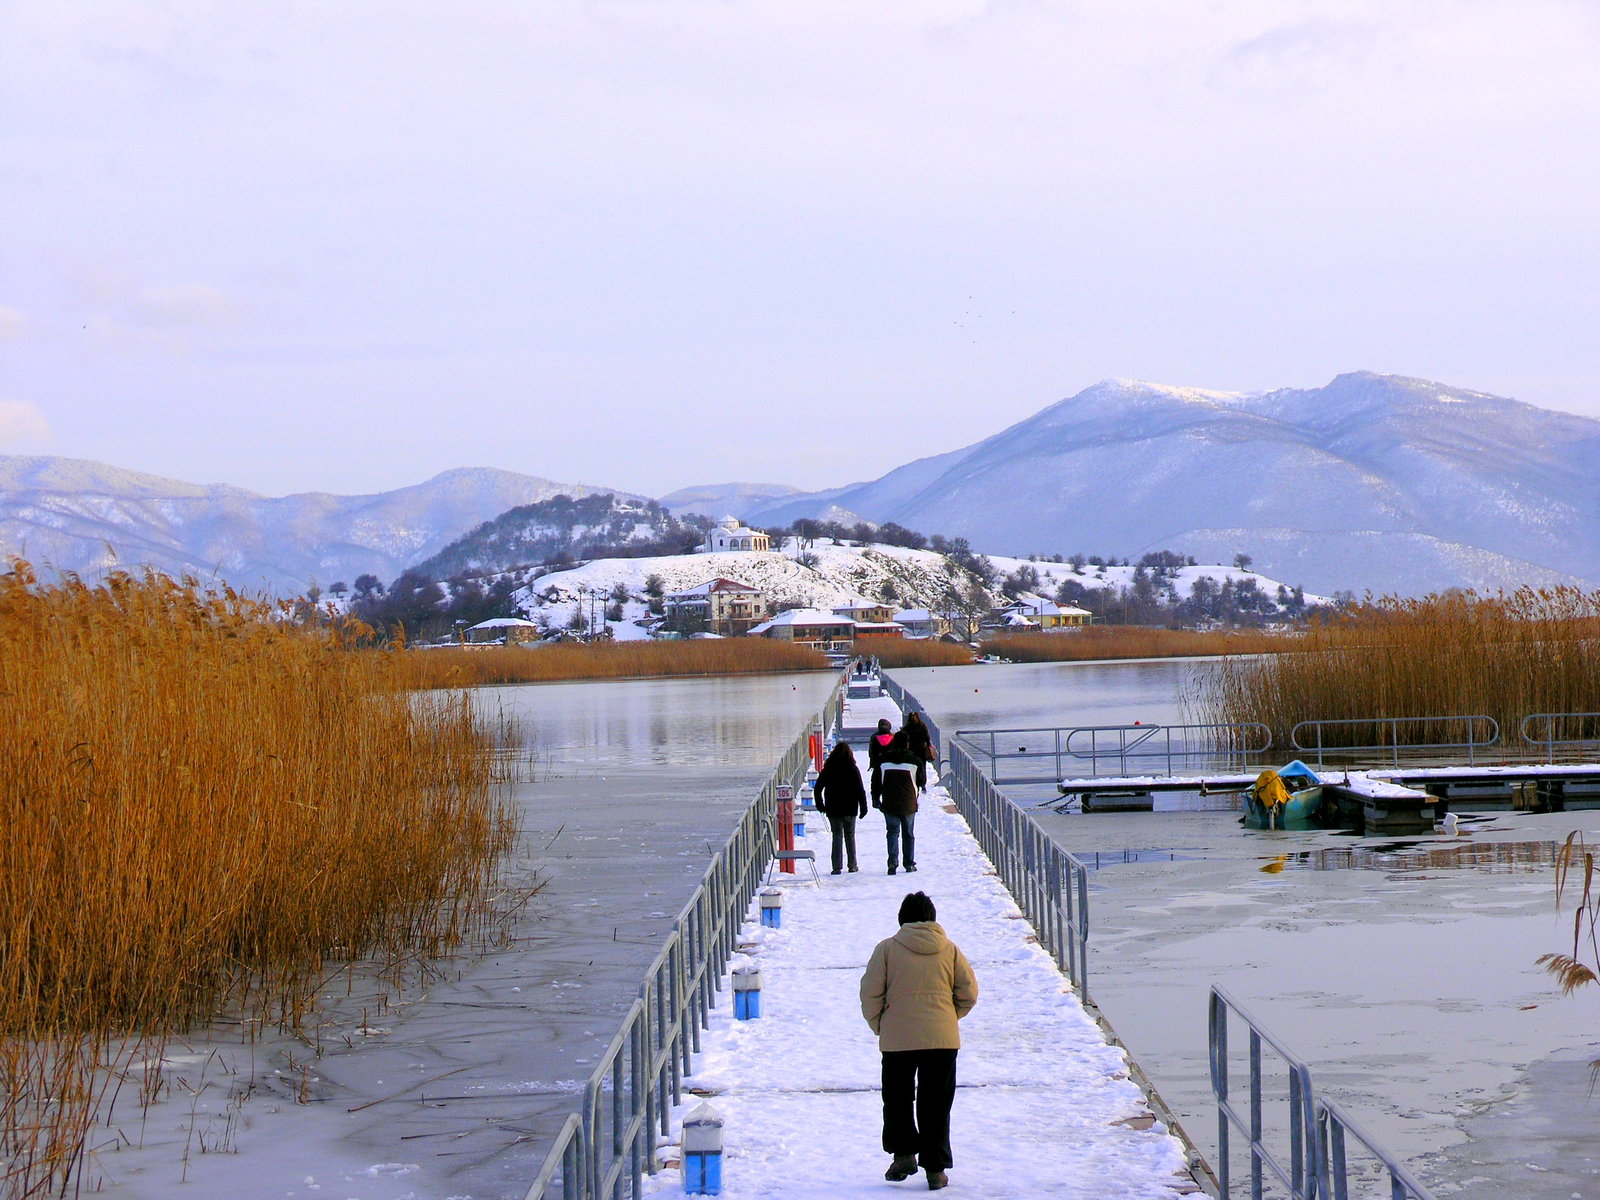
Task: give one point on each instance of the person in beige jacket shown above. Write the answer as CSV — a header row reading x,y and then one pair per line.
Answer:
x,y
917,986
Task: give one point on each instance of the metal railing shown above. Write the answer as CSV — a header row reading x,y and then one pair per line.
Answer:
x,y
1392,745
1094,750
1300,1175
1333,1129
1555,721
608,1146
1049,885
1318,1167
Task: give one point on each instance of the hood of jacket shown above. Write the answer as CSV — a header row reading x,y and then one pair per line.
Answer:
x,y
883,739
901,751
922,937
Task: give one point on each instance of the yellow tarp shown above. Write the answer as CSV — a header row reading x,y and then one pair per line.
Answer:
x,y
1270,790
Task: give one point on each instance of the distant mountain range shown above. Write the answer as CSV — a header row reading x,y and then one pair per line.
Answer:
x,y
67,514
716,500
1372,482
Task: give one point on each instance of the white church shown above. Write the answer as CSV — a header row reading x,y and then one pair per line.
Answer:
x,y
728,534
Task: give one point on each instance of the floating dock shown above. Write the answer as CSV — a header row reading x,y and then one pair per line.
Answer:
x,y
1386,800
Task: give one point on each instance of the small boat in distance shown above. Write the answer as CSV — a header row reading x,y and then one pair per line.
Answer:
x,y
1288,798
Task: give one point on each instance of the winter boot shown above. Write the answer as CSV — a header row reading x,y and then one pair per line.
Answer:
x,y
904,1166
937,1180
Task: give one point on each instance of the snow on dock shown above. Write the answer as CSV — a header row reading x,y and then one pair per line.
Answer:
x,y
1044,1106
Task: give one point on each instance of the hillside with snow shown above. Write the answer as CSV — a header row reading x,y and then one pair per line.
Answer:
x,y
831,575
1372,482
823,575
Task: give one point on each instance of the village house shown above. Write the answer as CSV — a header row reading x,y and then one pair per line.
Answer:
x,y
923,623
1038,613
865,610
810,627
728,534
507,630
721,606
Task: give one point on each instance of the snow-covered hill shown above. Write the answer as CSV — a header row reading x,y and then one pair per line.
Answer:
x,y
83,516
831,575
1373,481
823,575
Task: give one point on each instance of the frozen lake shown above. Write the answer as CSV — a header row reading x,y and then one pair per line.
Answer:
x,y
1402,973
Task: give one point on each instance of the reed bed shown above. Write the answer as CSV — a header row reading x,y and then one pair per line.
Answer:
x,y
1504,656
1133,641
206,810
898,652
472,666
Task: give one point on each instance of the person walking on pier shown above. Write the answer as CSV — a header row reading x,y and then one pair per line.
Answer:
x,y
905,774
916,988
842,799
875,748
916,731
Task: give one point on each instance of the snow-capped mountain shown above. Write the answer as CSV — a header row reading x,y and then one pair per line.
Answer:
x,y
1373,481
68,514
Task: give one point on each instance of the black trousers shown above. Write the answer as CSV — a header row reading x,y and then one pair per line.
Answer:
x,y
918,1089
844,841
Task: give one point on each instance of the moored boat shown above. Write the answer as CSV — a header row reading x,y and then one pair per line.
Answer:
x,y
1288,798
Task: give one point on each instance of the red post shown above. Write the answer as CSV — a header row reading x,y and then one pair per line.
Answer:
x,y
786,825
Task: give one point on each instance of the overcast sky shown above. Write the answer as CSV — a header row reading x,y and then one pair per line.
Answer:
x,y
342,246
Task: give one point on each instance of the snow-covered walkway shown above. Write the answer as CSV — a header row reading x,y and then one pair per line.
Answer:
x,y
1044,1106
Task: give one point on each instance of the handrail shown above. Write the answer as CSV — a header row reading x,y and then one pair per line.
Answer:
x,y
608,1146
1049,885
1332,1126
1550,741
566,1157
1304,1171
1216,745
1318,1168
1394,745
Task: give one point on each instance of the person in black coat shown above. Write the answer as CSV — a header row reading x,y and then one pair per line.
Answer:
x,y
842,799
904,765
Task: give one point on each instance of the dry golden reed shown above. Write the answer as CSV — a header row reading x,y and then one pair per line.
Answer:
x,y
205,807
1132,641
470,666
1505,656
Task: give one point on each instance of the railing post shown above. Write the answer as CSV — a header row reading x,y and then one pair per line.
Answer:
x,y
1255,1115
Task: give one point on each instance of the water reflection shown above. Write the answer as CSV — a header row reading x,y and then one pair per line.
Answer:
x,y
1408,859
740,722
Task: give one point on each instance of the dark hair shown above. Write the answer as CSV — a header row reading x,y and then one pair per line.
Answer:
x,y
883,724
916,907
841,749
